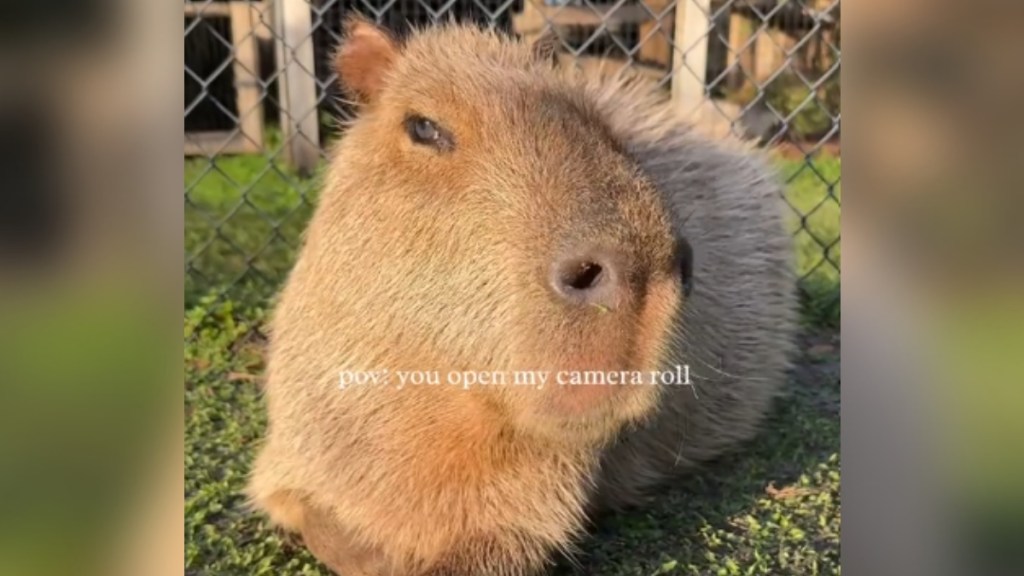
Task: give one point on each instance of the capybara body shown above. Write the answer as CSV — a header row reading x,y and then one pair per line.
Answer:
x,y
490,210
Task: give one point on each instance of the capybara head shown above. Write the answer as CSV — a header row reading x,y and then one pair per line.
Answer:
x,y
481,215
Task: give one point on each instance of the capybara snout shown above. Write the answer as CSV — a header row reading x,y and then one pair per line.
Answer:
x,y
510,246
595,275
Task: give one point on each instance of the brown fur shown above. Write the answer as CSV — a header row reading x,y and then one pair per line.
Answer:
x,y
418,259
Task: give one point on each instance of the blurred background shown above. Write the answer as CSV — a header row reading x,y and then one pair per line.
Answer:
x,y
98,451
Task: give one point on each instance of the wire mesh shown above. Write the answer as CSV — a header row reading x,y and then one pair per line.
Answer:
x,y
261,106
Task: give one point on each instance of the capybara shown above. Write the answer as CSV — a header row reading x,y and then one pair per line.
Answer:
x,y
493,210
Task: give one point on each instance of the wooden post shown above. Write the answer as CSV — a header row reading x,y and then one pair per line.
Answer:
x,y
739,60
264,18
655,34
529,23
244,18
247,137
771,46
300,122
691,38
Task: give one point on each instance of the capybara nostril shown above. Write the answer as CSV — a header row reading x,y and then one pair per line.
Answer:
x,y
585,276
589,278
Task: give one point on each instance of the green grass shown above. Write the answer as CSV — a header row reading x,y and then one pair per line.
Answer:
x,y
771,509
244,217
813,192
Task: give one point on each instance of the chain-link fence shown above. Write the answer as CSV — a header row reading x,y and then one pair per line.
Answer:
x,y
261,104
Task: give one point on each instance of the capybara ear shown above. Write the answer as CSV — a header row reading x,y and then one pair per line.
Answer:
x,y
364,57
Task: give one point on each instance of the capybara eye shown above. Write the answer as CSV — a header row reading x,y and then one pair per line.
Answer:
x,y
425,131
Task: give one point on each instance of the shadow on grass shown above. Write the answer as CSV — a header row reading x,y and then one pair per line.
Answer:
x,y
771,508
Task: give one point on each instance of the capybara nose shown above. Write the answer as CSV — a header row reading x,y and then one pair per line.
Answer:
x,y
590,277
